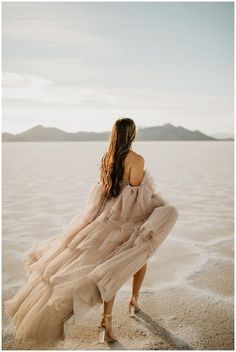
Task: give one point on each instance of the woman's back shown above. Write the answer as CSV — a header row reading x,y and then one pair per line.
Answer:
x,y
133,168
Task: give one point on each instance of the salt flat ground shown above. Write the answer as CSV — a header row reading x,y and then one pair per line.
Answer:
x,y
186,299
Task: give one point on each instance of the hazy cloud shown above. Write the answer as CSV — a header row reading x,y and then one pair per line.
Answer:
x,y
80,65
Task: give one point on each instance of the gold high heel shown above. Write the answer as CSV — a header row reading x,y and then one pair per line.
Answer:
x,y
103,333
133,306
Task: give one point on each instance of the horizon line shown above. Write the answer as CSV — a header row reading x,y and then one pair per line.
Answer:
x,y
105,131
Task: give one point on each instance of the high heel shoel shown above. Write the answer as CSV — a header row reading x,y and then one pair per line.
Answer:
x,y
133,306
103,332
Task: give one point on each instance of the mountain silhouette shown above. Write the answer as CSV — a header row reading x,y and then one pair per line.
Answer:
x,y
166,132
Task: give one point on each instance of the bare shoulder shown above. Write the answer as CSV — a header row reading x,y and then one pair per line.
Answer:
x,y
136,169
133,156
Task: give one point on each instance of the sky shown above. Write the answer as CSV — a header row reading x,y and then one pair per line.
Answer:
x,y
82,65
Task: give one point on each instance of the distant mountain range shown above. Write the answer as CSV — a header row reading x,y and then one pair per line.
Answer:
x,y
166,132
223,136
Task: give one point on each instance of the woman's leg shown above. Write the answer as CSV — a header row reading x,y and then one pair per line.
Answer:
x,y
107,309
137,281
107,306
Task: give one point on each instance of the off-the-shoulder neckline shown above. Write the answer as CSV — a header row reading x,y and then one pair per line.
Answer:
x,y
126,182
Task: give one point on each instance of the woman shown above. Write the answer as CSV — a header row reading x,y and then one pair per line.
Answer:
x,y
120,162
124,223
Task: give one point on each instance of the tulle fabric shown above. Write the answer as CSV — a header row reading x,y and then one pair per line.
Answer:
x,y
86,264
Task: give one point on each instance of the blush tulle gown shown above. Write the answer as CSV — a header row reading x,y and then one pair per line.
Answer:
x,y
86,263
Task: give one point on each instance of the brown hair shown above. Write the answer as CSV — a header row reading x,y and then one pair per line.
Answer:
x,y
112,166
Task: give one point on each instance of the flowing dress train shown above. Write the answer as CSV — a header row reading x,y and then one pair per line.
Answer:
x,y
86,264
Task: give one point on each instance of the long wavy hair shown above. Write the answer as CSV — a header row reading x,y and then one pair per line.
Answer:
x,y
112,164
